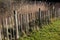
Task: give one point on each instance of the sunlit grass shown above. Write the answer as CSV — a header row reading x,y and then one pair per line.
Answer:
x,y
48,32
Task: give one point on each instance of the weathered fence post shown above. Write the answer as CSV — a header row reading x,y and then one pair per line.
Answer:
x,y
7,29
44,17
56,13
48,16
24,22
21,22
16,24
27,25
30,20
27,21
36,21
40,18
12,20
23,25
0,35
0,30
3,29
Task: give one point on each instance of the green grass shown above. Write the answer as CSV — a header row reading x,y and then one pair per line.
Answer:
x,y
48,32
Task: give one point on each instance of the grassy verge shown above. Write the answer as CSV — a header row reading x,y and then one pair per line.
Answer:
x,y
48,32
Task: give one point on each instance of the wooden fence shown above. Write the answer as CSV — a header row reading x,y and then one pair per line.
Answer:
x,y
18,24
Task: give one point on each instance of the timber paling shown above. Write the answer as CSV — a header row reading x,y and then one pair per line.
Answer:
x,y
19,24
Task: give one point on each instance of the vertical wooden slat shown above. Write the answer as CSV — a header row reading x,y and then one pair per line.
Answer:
x,y
21,21
23,27
40,15
0,31
27,21
3,30
7,29
16,24
30,21
26,25
10,28
48,16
